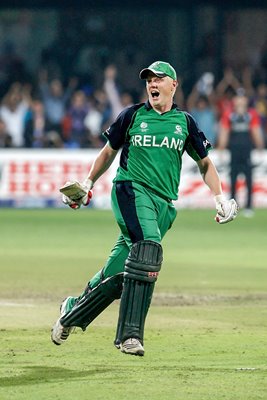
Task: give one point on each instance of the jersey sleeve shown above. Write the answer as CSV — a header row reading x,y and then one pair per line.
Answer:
x,y
117,131
255,118
225,120
197,145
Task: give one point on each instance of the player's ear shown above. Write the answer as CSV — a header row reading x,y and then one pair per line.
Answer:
x,y
176,84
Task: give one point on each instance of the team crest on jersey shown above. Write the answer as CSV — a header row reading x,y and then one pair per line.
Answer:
x,y
144,126
178,129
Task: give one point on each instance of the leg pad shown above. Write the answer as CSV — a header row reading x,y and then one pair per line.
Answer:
x,y
94,302
141,271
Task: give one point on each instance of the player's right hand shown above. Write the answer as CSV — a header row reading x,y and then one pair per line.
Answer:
x,y
79,198
75,205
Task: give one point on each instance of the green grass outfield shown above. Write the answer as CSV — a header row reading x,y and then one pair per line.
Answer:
x,y
206,333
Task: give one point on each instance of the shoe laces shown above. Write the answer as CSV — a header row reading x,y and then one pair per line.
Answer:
x,y
65,333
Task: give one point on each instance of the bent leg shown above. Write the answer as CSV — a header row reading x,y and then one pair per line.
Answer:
x,y
100,292
141,217
93,302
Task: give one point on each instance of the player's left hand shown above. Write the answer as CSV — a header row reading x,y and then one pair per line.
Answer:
x,y
226,209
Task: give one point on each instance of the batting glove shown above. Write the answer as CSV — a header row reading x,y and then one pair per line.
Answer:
x,y
226,209
84,200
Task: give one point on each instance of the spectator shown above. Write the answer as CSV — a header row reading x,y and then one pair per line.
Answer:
x,y
55,99
102,101
5,137
111,90
225,91
93,122
12,111
37,131
77,134
117,102
200,105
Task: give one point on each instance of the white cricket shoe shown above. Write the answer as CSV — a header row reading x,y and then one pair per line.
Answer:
x,y
60,333
132,346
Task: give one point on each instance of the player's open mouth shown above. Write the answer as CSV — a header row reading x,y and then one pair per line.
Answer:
x,y
155,94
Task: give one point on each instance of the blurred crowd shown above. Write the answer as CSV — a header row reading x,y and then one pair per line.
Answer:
x,y
51,114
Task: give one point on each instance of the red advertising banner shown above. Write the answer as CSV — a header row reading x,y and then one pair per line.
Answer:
x,y
31,178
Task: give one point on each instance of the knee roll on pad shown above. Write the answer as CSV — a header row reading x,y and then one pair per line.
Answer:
x,y
144,261
94,302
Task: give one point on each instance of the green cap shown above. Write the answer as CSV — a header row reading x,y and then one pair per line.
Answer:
x,y
160,69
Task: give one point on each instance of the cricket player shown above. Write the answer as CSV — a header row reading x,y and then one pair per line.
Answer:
x,y
152,137
240,131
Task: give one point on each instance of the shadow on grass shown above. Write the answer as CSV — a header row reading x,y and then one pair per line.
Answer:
x,y
39,374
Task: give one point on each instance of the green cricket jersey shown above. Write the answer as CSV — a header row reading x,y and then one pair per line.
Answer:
x,y
152,146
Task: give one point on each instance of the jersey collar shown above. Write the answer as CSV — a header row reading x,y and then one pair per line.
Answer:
x,y
149,107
